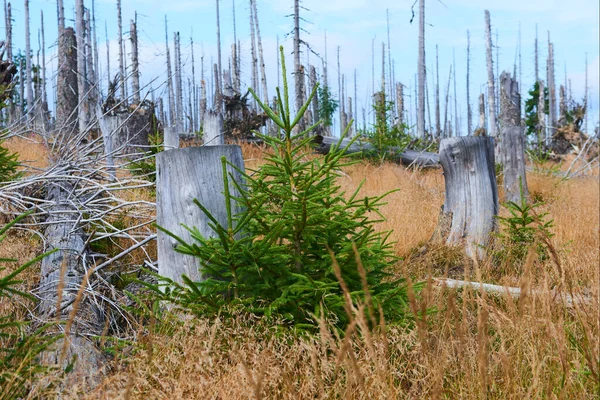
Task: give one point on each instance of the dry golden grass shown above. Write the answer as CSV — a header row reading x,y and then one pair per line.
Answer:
x,y
32,153
472,346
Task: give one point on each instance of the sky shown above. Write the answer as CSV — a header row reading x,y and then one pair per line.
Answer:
x,y
353,26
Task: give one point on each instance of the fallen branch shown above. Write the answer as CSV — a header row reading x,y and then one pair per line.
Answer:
x,y
511,291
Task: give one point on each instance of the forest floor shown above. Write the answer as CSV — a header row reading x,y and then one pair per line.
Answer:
x,y
470,345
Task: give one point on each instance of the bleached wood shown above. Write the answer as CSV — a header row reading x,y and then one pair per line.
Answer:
x,y
512,140
182,176
471,202
213,129
407,157
492,127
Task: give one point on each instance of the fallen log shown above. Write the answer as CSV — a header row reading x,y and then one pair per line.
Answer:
x,y
421,159
63,279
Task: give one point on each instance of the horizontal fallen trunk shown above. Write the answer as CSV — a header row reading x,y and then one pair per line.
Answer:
x,y
407,157
62,275
511,291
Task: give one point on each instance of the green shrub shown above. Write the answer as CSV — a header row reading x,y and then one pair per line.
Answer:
x,y
280,256
524,228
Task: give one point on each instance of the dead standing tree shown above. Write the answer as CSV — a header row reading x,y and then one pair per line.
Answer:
x,y
492,125
512,140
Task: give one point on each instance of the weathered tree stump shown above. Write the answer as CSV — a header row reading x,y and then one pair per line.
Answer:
x,y
467,216
171,138
130,131
213,129
182,176
512,141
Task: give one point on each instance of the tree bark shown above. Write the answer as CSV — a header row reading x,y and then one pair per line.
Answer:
x,y
67,96
468,215
512,140
551,93
492,125
213,129
184,175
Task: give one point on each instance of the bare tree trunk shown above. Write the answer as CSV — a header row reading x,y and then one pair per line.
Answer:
x,y
121,55
263,75
315,100
456,121
90,81
446,104
383,89
492,128
373,77
391,86
541,114
254,61
135,79
299,78
469,111
551,93
512,139
438,126
421,72
81,65
400,102
22,68
98,88
340,94
203,101
29,76
219,69
562,106
537,75
355,104
107,56
585,97
520,73
179,83
170,78
67,89
482,113
194,101
43,66
217,88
